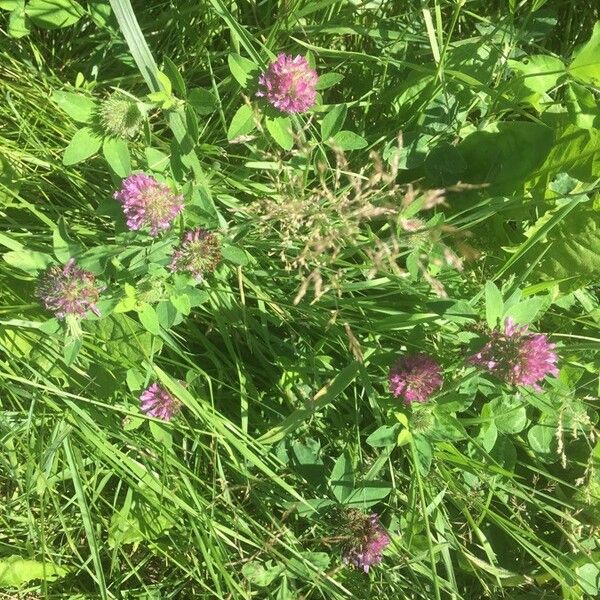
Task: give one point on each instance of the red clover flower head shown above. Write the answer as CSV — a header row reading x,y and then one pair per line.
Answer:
x,y
517,356
288,84
148,203
198,253
157,402
370,540
69,291
415,378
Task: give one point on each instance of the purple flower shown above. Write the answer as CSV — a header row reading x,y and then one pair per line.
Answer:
x,y
415,378
69,290
371,540
517,356
198,253
288,84
156,402
148,203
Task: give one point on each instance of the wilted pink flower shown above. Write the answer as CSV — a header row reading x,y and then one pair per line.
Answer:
x,y
156,402
288,84
69,290
198,253
148,203
415,378
371,540
517,356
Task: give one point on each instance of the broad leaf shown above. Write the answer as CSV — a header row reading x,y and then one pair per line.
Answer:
x,y
586,64
342,477
53,14
15,571
116,153
242,123
202,101
28,260
281,130
243,70
79,107
333,121
85,143
348,140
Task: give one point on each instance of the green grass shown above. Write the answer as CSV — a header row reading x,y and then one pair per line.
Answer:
x,y
335,263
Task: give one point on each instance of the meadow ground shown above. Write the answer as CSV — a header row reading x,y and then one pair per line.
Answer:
x,y
299,299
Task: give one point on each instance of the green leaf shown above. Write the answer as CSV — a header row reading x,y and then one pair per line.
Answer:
x,y
586,64
18,25
527,311
137,522
424,453
135,380
243,70
165,84
574,252
53,14
167,315
347,140
235,255
575,151
9,4
342,477
202,101
298,568
444,159
494,305
260,575
588,577
412,153
156,160
582,106
79,107
182,303
328,80
540,72
542,439
383,436
172,72
505,453
149,319
63,247
15,571
116,153
510,414
333,121
505,158
85,143
446,427
368,493
71,349
242,123
28,260
161,434
281,130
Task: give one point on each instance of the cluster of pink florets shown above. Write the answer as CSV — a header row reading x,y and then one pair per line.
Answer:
x,y
289,84
517,356
369,540
514,355
199,253
148,203
157,402
415,378
69,291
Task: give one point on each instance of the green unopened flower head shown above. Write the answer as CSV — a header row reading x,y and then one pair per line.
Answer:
x,y
421,421
120,116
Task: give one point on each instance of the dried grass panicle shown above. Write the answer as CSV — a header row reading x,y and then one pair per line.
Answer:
x,y
348,214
